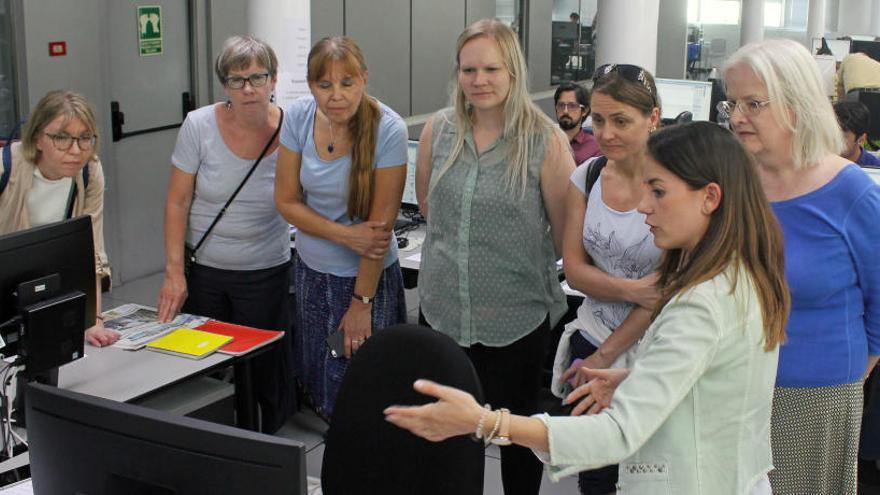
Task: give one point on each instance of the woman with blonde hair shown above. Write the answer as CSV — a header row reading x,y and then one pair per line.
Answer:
x,y
828,209
491,177
55,174
341,173
692,415
239,256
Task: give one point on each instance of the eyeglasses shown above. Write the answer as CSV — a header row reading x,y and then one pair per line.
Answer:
x,y
629,72
568,106
257,80
63,142
750,107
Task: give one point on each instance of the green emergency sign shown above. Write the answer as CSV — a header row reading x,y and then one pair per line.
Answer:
x,y
149,29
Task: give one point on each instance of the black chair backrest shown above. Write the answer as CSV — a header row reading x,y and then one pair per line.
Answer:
x,y
365,454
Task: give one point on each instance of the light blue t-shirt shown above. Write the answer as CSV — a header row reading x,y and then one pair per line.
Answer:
x,y
252,235
325,183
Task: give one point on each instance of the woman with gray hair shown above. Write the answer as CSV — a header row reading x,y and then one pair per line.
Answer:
x,y
221,221
828,210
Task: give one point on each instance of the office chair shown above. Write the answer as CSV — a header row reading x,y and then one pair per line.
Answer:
x,y
365,454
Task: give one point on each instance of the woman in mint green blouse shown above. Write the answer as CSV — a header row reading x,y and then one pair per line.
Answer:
x,y
492,175
692,415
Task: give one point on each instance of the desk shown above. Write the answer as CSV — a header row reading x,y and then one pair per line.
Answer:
x,y
127,376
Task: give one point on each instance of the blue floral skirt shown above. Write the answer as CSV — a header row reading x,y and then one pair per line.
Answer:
x,y
321,301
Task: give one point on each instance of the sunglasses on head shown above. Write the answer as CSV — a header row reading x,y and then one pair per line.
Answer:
x,y
629,72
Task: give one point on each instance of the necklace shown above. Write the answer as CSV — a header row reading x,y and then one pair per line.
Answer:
x,y
330,146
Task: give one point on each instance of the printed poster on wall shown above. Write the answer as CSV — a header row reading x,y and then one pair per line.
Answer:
x,y
149,19
288,31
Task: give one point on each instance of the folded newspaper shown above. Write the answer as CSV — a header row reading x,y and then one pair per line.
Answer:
x,y
139,324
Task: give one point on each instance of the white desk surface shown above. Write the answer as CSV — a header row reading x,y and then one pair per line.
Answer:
x,y
411,257
121,375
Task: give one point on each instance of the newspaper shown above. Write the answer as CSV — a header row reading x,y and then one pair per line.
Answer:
x,y
139,324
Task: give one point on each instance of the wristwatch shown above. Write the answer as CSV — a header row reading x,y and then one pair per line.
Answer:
x,y
363,299
503,436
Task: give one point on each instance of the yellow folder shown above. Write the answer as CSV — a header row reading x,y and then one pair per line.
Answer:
x,y
190,343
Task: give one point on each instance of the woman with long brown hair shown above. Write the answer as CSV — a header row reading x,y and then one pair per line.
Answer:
x,y
693,413
341,171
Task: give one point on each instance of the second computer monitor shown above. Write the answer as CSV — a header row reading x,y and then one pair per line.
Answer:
x,y
679,95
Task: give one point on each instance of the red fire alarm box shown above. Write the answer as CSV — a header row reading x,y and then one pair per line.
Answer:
x,y
57,48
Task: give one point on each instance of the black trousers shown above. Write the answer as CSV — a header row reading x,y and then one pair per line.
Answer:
x,y
256,298
511,378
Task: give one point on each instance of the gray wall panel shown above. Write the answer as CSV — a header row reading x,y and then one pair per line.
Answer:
x,y
435,28
539,25
226,18
672,39
327,18
380,28
479,9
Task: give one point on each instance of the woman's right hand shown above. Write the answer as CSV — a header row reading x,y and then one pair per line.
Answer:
x,y
172,296
644,291
368,239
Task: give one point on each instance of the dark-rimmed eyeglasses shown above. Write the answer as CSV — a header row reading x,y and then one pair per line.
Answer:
x,y
257,80
570,106
748,107
63,142
629,72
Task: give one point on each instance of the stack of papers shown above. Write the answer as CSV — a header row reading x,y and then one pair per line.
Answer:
x,y
186,342
139,324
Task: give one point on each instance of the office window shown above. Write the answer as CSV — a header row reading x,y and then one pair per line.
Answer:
x,y
573,51
713,11
7,73
511,13
780,14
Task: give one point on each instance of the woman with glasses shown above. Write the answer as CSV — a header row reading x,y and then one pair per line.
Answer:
x,y
50,167
692,414
608,251
491,177
240,265
341,172
828,209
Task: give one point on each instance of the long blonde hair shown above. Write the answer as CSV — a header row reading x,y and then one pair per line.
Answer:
x,y
525,125
363,127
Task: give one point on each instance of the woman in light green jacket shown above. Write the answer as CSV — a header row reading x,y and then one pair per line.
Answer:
x,y
692,416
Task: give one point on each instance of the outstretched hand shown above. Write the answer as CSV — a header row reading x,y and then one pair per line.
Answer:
x,y
454,413
596,394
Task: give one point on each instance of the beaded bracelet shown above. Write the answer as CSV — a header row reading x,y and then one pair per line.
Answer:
x,y
488,438
478,434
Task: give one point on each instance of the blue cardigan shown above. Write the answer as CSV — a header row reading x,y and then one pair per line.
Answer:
x,y
832,237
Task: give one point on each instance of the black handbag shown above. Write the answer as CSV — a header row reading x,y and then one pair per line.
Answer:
x,y
189,252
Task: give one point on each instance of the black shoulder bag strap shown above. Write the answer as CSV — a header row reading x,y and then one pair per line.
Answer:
x,y
594,169
192,254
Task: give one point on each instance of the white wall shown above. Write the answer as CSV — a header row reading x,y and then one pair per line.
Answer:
x,y
854,17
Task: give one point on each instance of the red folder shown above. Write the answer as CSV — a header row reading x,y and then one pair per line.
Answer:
x,y
244,339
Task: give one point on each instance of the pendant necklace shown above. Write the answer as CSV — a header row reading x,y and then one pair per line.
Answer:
x,y
330,146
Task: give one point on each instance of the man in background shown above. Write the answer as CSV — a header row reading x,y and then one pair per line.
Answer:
x,y
572,102
857,71
855,121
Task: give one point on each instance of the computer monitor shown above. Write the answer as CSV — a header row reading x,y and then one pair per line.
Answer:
x,y
869,48
84,444
43,270
409,200
565,30
839,48
679,95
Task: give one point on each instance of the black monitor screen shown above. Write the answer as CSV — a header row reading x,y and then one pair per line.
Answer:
x,y
64,248
869,48
84,444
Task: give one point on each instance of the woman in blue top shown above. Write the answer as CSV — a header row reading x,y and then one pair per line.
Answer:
x,y
341,172
828,209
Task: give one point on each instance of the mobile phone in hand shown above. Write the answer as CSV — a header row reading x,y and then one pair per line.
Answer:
x,y
336,343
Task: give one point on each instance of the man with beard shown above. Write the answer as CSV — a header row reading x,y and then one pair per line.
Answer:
x,y
572,108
